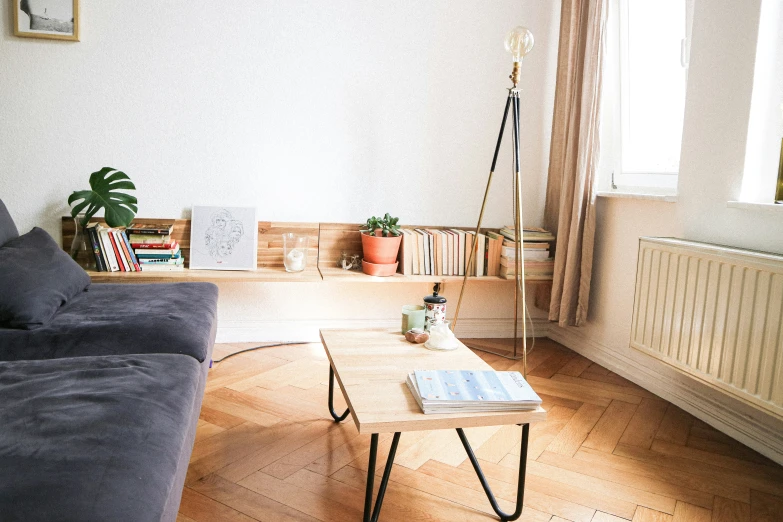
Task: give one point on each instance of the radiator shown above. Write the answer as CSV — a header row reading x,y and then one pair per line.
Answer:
x,y
715,313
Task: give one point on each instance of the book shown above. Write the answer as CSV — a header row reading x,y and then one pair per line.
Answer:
x,y
404,257
95,243
171,250
117,255
153,246
142,239
420,257
177,261
480,260
437,263
119,237
444,252
466,391
151,229
452,249
424,253
470,238
161,267
108,251
534,270
414,252
459,254
155,255
129,248
528,234
431,239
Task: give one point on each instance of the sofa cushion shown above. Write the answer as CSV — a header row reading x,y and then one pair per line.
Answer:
x,y
121,319
36,278
8,229
93,438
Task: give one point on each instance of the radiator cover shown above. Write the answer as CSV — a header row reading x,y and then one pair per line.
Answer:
x,y
715,313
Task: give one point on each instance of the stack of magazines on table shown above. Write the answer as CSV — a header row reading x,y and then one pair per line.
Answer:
x,y
137,248
467,391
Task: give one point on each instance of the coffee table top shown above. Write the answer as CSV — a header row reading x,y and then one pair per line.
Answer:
x,y
371,366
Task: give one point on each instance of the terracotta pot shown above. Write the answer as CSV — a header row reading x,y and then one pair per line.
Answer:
x,y
383,270
380,250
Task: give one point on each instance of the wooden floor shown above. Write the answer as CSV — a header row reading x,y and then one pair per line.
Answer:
x,y
266,449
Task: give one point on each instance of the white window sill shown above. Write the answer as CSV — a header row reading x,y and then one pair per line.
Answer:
x,y
749,205
648,194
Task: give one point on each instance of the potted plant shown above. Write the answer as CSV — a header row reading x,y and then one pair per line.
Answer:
x,y
119,207
380,243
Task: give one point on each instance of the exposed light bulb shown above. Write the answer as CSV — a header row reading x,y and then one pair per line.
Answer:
x,y
519,42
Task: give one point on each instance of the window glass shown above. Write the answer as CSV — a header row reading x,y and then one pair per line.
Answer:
x,y
653,67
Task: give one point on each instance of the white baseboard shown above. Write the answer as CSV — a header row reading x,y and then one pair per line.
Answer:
x,y
748,425
307,330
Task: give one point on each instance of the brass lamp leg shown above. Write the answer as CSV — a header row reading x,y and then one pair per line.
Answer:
x,y
519,283
483,206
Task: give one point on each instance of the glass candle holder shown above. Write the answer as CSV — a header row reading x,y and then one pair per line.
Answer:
x,y
294,252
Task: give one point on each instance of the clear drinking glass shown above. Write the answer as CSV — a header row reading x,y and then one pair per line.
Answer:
x,y
294,252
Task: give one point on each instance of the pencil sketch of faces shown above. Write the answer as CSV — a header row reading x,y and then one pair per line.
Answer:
x,y
49,15
223,235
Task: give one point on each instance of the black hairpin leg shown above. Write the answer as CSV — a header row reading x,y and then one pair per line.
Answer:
x,y
520,481
371,514
337,418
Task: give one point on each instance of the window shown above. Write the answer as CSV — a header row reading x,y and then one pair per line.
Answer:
x,y
644,91
765,125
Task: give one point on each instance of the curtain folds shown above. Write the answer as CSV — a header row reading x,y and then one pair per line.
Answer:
x,y
573,157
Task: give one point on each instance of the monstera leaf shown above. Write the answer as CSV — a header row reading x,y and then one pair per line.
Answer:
x,y
105,185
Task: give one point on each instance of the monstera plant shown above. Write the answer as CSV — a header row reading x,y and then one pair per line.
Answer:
x,y
105,193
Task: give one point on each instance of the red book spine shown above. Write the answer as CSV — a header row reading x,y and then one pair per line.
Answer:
x,y
117,252
125,252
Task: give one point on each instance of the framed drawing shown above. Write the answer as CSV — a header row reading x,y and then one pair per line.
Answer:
x,y
223,238
53,19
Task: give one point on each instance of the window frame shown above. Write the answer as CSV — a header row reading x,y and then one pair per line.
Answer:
x,y
614,129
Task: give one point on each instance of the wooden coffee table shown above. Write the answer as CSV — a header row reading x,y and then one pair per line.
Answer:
x,y
371,367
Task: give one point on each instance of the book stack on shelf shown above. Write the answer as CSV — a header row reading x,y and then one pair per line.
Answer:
x,y
465,391
539,265
154,247
113,252
135,249
445,252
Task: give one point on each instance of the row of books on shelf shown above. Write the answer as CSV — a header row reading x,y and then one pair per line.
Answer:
x,y
467,391
136,248
446,252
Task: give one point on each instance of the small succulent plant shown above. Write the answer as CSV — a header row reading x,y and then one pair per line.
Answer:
x,y
387,225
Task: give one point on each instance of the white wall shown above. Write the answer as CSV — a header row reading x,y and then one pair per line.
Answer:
x,y
311,111
713,153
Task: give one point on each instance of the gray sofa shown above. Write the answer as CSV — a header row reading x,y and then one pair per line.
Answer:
x,y
99,403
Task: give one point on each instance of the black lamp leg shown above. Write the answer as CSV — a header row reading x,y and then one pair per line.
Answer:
x,y
337,418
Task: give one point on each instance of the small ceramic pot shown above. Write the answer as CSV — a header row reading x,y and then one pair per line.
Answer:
x,y
380,250
383,270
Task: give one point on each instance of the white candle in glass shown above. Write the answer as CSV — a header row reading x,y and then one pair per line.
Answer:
x,y
295,260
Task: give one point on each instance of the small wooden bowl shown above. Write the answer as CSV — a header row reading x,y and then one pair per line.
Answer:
x,y
374,269
416,335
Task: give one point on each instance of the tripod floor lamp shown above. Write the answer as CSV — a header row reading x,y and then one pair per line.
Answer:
x,y
519,42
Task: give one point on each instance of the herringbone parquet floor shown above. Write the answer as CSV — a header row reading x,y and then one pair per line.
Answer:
x,y
266,449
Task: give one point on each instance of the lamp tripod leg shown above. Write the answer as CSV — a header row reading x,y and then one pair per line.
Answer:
x,y
481,214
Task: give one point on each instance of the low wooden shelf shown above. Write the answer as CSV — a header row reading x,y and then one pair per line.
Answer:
x,y
261,275
327,243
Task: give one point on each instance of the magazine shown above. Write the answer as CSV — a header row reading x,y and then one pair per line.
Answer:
x,y
466,391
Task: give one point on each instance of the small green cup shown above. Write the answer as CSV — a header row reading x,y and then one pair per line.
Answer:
x,y
412,317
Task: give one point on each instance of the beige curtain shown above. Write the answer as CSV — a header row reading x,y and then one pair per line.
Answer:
x,y
573,156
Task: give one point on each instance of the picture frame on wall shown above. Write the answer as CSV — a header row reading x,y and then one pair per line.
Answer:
x,y
223,238
49,19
